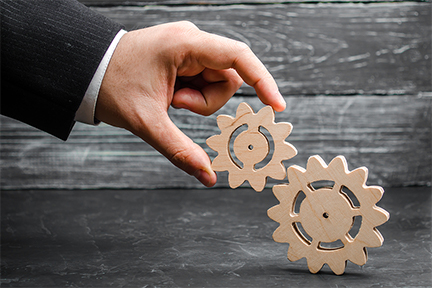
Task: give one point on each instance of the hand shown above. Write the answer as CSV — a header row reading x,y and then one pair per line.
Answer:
x,y
177,64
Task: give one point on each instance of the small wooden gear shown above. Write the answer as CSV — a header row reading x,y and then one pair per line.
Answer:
x,y
251,147
327,214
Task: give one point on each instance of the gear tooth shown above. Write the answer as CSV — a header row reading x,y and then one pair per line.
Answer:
x,y
280,191
288,150
224,121
380,216
243,109
376,217
284,129
315,163
211,142
340,164
274,213
358,257
314,265
374,239
359,174
377,193
267,114
214,142
338,267
292,255
235,180
280,235
278,171
258,183
218,164
293,172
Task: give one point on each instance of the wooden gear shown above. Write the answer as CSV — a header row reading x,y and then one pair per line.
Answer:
x,y
251,147
327,214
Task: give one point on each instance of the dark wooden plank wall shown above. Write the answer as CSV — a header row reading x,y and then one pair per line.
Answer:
x,y
356,77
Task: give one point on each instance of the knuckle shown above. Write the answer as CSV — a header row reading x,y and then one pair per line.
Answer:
x,y
242,47
186,27
241,51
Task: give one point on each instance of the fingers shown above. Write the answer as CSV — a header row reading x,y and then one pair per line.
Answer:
x,y
165,137
218,53
219,87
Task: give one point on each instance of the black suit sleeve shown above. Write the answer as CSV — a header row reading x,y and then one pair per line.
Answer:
x,y
50,50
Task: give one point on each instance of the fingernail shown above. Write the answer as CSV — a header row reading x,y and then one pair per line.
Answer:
x,y
203,177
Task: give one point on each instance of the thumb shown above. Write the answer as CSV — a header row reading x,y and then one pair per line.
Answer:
x,y
171,142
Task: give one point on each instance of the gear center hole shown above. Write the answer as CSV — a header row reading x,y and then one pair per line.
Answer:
x,y
325,215
250,147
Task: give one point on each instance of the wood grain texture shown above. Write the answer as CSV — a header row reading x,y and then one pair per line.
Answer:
x,y
211,2
327,214
251,147
317,49
390,135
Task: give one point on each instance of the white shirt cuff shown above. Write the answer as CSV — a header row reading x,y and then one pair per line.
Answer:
x,y
86,110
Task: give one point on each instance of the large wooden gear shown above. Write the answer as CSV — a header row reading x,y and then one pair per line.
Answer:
x,y
251,147
327,214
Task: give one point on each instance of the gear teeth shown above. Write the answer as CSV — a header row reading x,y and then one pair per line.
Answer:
x,y
278,191
258,184
234,180
340,163
274,168
224,121
315,267
280,235
243,109
212,142
313,217
267,110
359,173
358,257
284,129
315,162
381,216
377,193
218,164
337,267
376,240
295,171
292,255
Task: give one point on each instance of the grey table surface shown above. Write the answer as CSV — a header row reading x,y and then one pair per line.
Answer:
x,y
190,238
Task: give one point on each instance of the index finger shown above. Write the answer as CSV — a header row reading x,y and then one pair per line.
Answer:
x,y
217,52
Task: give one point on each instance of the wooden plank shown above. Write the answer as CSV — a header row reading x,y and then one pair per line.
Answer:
x,y
331,49
213,2
390,135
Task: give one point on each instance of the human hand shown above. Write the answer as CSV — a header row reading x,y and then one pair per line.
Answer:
x,y
177,64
